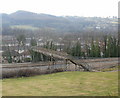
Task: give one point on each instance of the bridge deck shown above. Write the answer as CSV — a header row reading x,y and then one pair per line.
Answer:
x,y
60,55
56,54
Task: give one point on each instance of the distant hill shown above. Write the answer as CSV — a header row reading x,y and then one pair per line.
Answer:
x,y
59,23
30,15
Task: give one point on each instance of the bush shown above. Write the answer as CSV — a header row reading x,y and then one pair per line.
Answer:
x,y
58,70
27,59
28,72
19,73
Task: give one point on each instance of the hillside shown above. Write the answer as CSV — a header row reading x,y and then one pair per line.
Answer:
x,y
60,23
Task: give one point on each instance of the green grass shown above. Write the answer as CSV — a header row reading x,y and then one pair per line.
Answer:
x,y
64,84
110,69
24,27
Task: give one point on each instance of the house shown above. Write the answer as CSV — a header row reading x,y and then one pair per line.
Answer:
x,y
26,56
11,56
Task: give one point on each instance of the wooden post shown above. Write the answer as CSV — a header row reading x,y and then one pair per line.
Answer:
x,y
66,65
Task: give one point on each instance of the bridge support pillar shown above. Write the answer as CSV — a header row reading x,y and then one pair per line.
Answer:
x,y
76,67
66,62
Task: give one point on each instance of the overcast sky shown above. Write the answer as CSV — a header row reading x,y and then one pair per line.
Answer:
x,y
102,8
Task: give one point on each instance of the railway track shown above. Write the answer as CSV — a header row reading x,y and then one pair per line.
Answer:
x,y
92,62
28,69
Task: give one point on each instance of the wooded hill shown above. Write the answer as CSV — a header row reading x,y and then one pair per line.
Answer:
x,y
61,24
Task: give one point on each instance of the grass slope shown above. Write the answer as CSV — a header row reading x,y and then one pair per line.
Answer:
x,y
24,27
64,84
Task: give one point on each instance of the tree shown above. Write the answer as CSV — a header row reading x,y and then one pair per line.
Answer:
x,y
21,42
46,45
76,50
68,48
110,47
115,51
9,55
33,42
21,39
87,49
105,46
92,50
97,49
118,47
50,45
36,56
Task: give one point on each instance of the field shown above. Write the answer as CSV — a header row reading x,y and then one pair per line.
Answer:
x,y
24,27
63,84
